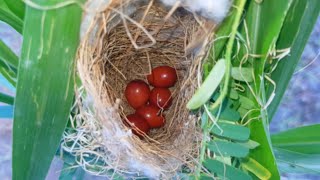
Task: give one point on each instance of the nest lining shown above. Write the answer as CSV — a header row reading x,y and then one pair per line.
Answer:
x,y
106,66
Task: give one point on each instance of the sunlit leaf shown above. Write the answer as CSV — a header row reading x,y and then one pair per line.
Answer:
x,y
245,74
210,84
257,169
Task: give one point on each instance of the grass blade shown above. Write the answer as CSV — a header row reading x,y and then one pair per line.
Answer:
x,y
8,56
9,75
296,30
303,139
295,162
6,99
45,87
262,33
17,7
209,85
8,17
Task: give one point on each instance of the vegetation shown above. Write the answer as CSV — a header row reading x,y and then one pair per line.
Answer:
x,y
249,57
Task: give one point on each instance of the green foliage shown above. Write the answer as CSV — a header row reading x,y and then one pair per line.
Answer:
x,y
301,140
8,73
257,169
45,87
242,74
210,84
295,162
225,171
7,56
231,131
261,33
6,99
295,32
226,148
8,17
17,7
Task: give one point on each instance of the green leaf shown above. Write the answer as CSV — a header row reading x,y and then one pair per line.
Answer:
x,y
225,112
303,139
232,131
210,84
6,99
246,103
8,17
17,7
227,148
249,144
7,56
263,33
224,170
45,87
245,74
8,74
295,162
296,30
257,169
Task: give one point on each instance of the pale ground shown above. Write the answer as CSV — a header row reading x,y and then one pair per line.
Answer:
x,y
300,106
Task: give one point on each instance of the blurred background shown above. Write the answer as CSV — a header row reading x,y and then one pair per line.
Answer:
x,y
300,105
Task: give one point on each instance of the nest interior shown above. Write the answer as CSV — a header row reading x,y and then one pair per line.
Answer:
x,y
124,63
150,37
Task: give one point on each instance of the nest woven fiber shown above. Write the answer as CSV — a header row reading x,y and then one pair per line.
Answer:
x,y
124,42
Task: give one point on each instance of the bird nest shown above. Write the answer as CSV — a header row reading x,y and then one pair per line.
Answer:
x,y
124,42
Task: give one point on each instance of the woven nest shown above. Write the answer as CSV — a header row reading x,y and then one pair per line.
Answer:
x,y
121,46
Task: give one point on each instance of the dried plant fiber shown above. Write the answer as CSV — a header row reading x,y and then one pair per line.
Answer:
x,y
123,41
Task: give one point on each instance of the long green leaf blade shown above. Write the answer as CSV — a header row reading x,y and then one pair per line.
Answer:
x,y
303,139
8,17
45,87
6,99
17,7
296,30
296,162
8,74
209,85
8,56
262,33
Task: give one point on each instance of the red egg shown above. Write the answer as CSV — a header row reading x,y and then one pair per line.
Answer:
x,y
138,124
151,114
161,97
137,93
162,76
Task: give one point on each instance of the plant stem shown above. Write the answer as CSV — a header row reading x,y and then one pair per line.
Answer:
x,y
239,6
228,55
